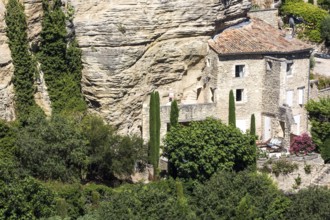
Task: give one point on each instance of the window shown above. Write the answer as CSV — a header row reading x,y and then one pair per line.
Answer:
x,y
239,70
269,65
301,96
239,95
289,69
289,97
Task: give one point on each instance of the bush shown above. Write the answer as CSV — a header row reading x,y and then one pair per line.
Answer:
x,y
243,195
302,144
311,14
325,150
325,29
308,168
311,203
204,147
319,115
283,167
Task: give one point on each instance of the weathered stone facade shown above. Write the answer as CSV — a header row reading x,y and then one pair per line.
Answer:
x,y
265,84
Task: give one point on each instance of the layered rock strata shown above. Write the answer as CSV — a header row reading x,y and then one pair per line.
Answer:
x,y
132,47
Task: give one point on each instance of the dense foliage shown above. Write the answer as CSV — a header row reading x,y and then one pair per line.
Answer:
x,y
319,115
325,29
24,66
312,15
231,109
243,195
154,130
60,60
199,150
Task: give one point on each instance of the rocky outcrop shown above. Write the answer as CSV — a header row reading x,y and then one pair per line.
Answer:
x,y
131,47
6,72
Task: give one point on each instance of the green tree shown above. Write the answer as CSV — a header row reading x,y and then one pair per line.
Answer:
x,y
199,150
310,203
24,66
242,195
52,149
325,150
325,28
174,115
60,60
312,15
154,130
319,115
232,113
253,125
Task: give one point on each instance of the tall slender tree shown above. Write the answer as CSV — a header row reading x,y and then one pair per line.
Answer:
x,y
232,114
154,130
157,113
174,115
24,66
60,60
253,125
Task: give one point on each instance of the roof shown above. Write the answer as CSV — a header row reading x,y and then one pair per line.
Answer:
x,y
255,36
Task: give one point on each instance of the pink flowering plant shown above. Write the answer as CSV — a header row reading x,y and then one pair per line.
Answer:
x,y
302,144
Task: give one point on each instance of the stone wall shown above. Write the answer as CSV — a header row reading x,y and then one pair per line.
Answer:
x,y
187,113
251,83
323,93
319,176
270,16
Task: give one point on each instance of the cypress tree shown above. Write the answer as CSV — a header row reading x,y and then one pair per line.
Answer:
x,y
152,129
157,115
253,125
60,60
232,114
174,115
24,66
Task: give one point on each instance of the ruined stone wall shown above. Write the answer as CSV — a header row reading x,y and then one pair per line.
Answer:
x,y
319,176
187,113
323,93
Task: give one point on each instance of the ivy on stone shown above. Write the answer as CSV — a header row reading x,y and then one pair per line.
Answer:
x,y
60,60
24,66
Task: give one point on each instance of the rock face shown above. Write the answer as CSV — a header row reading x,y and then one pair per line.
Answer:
x,y
6,72
132,47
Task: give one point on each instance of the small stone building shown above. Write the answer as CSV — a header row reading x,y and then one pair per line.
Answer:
x,y
268,72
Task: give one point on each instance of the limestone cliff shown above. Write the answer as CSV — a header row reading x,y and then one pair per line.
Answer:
x,y
131,47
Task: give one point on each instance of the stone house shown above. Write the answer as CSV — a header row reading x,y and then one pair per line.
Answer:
x,y
268,71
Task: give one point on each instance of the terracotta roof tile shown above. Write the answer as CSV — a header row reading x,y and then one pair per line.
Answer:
x,y
255,37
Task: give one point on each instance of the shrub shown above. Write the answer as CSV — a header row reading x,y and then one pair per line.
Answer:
x,y
204,147
325,150
232,114
308,168
283,167
302,144
311,14
325,29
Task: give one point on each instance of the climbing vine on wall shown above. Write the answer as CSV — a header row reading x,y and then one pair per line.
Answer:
x,y
60,60
24,66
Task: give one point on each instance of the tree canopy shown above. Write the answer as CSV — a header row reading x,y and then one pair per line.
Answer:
x,y
199,150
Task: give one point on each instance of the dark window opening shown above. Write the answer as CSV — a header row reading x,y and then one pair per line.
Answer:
x,y
239,95
239,70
